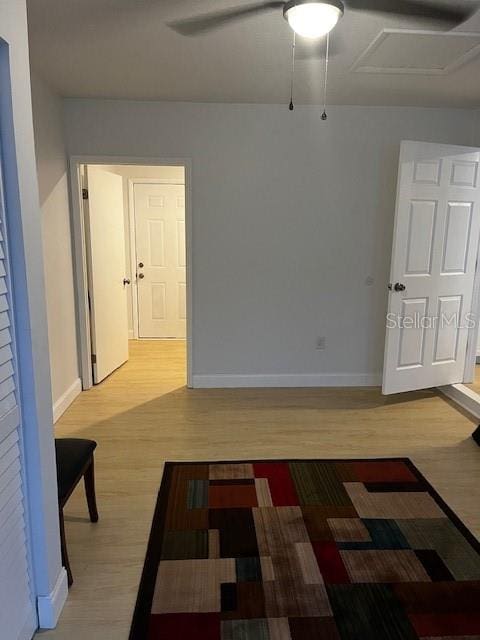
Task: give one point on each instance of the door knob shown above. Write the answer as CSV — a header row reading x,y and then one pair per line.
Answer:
x,y
141,276
126,281
140,264
398,286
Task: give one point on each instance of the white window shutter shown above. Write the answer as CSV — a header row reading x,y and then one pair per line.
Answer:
x,y
17,611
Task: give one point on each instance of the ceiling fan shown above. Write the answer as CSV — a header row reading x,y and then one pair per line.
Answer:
x,y
314,19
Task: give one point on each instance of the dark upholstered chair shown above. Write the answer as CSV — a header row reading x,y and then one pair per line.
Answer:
x,y
476,435
74,461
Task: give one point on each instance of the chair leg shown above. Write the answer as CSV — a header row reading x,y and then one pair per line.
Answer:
x,y
63,543
90,492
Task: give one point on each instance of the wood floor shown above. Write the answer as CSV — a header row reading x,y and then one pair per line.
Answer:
x,y
475,385
143,415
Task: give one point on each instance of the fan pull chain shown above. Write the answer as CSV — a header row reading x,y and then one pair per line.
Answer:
x,y
325,79
290,106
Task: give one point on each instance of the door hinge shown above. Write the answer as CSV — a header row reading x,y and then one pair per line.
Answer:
x,y
94,358
85,194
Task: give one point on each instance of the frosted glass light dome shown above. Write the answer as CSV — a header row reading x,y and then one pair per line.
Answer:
x,y
312,19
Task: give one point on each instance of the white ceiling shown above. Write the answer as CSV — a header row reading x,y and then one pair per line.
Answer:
x,y
123,49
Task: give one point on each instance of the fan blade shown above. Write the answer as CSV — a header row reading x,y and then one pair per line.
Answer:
x,y
209,21
416,8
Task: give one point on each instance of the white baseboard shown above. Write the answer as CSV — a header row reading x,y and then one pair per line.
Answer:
x,y
224,381
463,396
66,399
131,334
50,607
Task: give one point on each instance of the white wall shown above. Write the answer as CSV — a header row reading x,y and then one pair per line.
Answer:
x,y
477,144
290,217
130,172
57,245
23,209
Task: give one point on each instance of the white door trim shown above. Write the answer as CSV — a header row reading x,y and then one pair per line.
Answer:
x,y
133,242
472,339
79,251
133,253
30,320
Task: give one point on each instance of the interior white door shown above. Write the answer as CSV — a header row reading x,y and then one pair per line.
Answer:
x,y
160,250
18,617
435,244
105,232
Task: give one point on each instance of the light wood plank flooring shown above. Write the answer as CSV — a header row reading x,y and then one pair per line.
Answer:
x,y
475,385
143,415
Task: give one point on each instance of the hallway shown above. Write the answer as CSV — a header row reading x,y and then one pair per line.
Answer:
x,y
143,415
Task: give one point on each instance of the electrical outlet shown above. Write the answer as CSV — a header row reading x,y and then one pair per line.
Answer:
x,y
369,281
321,343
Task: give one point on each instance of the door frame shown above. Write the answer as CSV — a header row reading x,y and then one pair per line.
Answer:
x,y
29,321
79,252
132,235
473,332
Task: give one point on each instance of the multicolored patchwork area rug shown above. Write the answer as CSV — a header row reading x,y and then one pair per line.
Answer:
x,y
306,550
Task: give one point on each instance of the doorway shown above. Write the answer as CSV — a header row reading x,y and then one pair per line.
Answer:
x,y
132,232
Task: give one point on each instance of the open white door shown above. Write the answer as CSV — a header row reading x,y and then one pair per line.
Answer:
x,y
105,231
435,244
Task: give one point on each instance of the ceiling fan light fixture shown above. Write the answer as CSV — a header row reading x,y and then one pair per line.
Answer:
x,y
312,19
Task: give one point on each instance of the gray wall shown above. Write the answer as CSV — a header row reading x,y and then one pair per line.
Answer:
x,y
291,215
53,187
